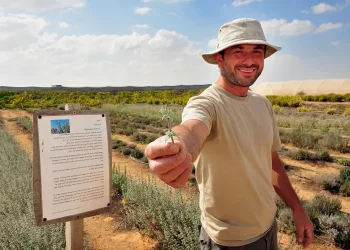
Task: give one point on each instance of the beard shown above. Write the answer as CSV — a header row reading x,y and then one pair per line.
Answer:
x,y
228,74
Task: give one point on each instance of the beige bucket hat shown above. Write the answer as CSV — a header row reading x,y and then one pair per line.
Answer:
x,y
240,31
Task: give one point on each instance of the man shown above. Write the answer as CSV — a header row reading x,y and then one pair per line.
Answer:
x,y
231,135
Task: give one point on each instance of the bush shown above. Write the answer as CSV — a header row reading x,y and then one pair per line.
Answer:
x,y
332,185
336,229
303,109
333,140
304,155
325,205
344,162
345,189
347,111
303,138
345,175
126,151
137,153
165,216
26,123
331,111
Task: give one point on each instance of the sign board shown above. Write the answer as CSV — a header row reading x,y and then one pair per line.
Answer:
x,y
72,165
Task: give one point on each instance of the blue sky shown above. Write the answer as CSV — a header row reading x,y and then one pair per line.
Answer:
x,y
160,42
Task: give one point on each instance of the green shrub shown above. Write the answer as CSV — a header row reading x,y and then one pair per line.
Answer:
x,y
300,155
303,138
126,151
345,189
344,162
304,155
17,227
336,229
325,205
26,123
138,154
331,111
158,212
303,109
333,140
347,111
345,175
332,185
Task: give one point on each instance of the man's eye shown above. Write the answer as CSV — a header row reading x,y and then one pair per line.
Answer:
x,y
257,51
237,52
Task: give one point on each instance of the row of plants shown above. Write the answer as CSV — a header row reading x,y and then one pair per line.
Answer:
x,y
304,138
129,150
17,228
173,219
51,99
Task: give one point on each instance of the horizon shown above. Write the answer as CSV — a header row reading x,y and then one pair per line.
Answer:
x,y
156,43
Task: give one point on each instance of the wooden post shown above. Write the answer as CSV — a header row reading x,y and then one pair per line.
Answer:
x,y
75,228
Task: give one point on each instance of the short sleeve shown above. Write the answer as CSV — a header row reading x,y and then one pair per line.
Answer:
x,y
199,108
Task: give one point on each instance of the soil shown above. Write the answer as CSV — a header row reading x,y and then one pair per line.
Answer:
x,y
106,231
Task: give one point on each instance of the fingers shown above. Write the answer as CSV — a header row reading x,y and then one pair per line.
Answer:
x,y
163,165
300,234
174,173
183,178
158,149
309,235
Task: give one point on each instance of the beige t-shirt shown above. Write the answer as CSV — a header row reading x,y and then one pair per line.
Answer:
x,y
234,167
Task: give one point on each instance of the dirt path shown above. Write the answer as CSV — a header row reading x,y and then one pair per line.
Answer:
x,y
101,229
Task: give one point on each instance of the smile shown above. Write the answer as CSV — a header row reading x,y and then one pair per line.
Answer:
x,y
246,70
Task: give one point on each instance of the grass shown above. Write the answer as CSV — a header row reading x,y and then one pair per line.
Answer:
x,y
339,184
17,228
26,123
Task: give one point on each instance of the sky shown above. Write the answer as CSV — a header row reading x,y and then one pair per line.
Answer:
x,y
99,43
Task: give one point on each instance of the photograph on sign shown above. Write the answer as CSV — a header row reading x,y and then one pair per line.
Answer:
x,y
74,164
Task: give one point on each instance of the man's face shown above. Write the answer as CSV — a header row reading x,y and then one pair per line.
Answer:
x,y
242,64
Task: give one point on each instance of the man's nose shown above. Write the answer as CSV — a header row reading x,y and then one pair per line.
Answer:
x,y
248,59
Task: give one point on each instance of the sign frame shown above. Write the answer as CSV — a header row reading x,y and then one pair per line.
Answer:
x,y
37,178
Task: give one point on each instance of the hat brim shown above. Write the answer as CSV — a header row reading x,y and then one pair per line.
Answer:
x,y
270,50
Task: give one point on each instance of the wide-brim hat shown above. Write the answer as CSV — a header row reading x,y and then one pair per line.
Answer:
x,y
240,31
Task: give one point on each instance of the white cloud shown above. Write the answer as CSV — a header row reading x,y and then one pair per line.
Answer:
x,y
142,11
322,8
212,43
141,26
19,31
63,25
335,43
146,1
328,26
41,5
237,3
283,28
305,12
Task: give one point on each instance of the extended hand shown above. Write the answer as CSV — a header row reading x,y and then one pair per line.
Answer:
x,y
304,227
169,161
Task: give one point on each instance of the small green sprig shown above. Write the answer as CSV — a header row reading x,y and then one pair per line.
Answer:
x,y
169,115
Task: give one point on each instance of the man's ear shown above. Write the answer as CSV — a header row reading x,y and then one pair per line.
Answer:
x,y
219,59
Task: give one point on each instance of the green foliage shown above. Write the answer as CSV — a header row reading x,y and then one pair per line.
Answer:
x,y
304,155
331,111
303,138
336,228
286,101
345,175
26,123
345,189
17,228
169,116
333,140
344,162
169,218
347,111
303,109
